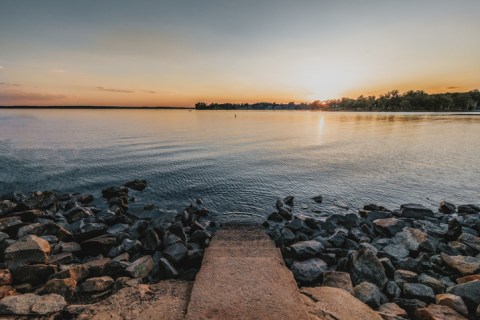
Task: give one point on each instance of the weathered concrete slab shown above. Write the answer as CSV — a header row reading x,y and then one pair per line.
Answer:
x,y
243,277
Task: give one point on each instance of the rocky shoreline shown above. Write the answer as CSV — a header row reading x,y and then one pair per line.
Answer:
x,y
409,263
58,249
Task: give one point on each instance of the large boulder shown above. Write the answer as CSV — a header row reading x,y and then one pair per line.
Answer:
x,y
465,265
416,211
308,271
369,294
364,265
32,304
27,250
306,249
335,303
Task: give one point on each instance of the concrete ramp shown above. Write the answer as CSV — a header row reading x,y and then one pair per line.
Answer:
x,y
243,277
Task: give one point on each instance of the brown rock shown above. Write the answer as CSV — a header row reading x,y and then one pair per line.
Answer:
x,y
335,303
29,303
96,267
465,265
34,274
453,302
6,291
5,277
469,278
141,267
336,279
27,250
97,284
64,287
78,273
391,311
436,312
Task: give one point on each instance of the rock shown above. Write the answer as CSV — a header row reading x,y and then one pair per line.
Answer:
x,y
410,305
166,269
337,239
29,303
306,249
469,292
389,227
176,253
5,277
78,273
27,250
468,278
437,285
392,290
364,265
414,240
141,267
308,271
116,269
467,209
117,228
436,312
34,274
200,236
404,276
6,291
378,215
454,230
369,294
396,251
391,311
447,208
288,236
63,287
419,291
288,200
453,302
275,216
416,211
329,303
318,199
285,214
470,240
136,184
465,265
337,279
96,267
97,284
98,245
77,213
278,203
113,192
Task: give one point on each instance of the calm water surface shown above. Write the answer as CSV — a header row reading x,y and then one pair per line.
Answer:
x,y
240,165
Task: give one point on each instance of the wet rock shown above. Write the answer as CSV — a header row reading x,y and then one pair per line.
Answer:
x,y
454,230
467,209
419,291
465,265
288,236
388,227
337,239
117,228
275,216
437,312
176,253
369,294
318,199
77,213
416,211
308,271
337,279
200,236
306,249
364,265
288,200
97,284
34,274
113,192
27,250
391,311
10,225
453,302
29,303
98,245
470,240
285,214
5,277
141,267
63,287
136,184
447,208
404,276
469,292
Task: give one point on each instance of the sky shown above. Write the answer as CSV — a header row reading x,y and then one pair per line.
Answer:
x,y
179,52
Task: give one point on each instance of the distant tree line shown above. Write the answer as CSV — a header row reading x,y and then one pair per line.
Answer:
x,y
391,101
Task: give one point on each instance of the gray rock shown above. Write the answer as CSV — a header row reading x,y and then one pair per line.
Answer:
x,y
141,267
414,240
410,305
288,200
470,240
318,199
467,209
419,291
288,236
447,208
27,250
389,227
404,276
396,251
416,211
306,249
437,285
392,290
176,252
364,265
97,284
308,271
469,291
369,294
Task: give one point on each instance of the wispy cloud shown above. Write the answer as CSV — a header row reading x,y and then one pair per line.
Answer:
x,y
1,67
15,97
149,91
6,84
452,87
114,90
58,71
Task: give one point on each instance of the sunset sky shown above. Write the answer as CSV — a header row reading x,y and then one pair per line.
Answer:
x,y
178,52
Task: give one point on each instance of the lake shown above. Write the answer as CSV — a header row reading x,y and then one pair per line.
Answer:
x,y
239,165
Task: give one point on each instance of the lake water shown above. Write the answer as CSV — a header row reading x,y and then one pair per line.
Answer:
x,y
240,165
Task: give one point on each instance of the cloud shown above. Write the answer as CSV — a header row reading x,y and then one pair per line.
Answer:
x,y
1,67
6,84
149,91
114,90
452,87
15,97
58,71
